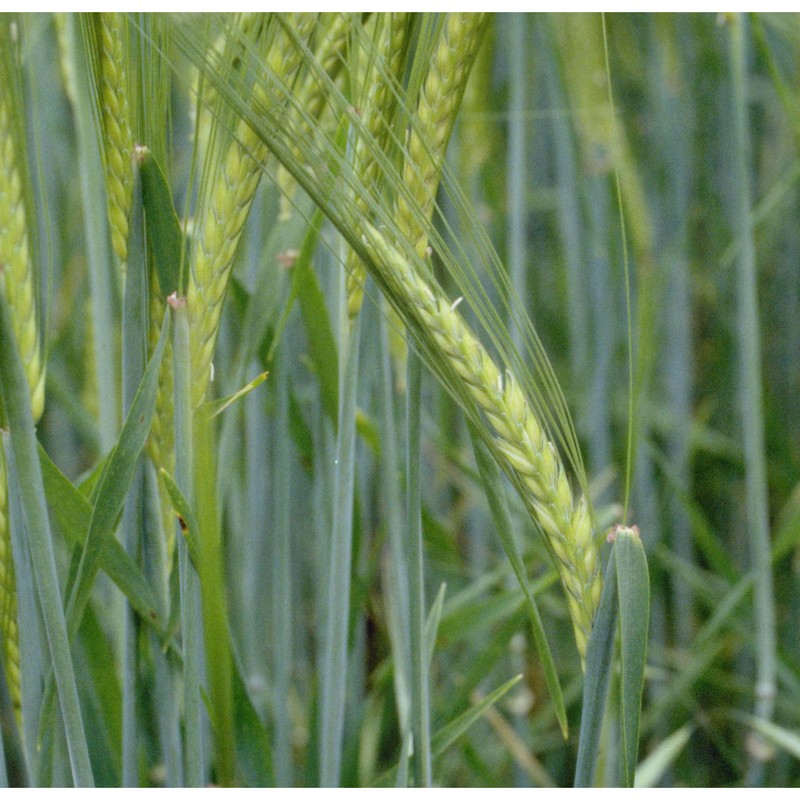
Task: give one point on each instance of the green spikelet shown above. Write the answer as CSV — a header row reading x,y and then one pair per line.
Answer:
x,y
16,269
232,190
332,34
528,456
118,140
18,284
378,114
436,113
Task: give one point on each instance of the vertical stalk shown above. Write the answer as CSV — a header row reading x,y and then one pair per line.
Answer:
x,y
397,566
752,412
282,580
420,706
337,607
134,359
191,624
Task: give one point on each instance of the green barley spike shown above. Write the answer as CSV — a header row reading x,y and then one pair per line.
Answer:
x,y
231,195
378,119
117,139
17,282
524,450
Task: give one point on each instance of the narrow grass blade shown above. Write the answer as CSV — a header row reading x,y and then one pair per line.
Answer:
x,y
776,734
498,505
215,628
447,735
322,344
218,406
26,479
599,665
633,587
432,623
420,703
334,660
73,512
750,381
401,781
33,648
253,747
186,519
112,489
115,481
282,605
189,582
651,769
134,359
95,227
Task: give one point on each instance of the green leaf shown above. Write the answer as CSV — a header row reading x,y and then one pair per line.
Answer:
x,y
599,664
662,757
163,228
72,511
321,342
779,736
218,406
447,735
633,586
25,479
253,749
114,483
432,623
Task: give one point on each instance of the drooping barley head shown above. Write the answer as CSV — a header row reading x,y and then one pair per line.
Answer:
x,y
526,454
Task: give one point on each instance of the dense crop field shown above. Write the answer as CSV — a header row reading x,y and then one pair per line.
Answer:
x,y
399,400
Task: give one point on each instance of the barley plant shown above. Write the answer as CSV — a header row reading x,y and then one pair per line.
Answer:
x,y
399,399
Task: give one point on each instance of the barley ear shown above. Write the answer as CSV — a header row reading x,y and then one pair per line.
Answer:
x,y
118,140
437,108
18,285
438,105
520,444
232,189
332,34
16,268
378,116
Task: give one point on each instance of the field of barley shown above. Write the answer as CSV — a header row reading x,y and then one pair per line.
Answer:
x,y
399,399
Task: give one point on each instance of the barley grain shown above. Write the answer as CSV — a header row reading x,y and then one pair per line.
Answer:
x,y
527,455
438,105
223,217
378,115
436,112
17,282
118,140
333,32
